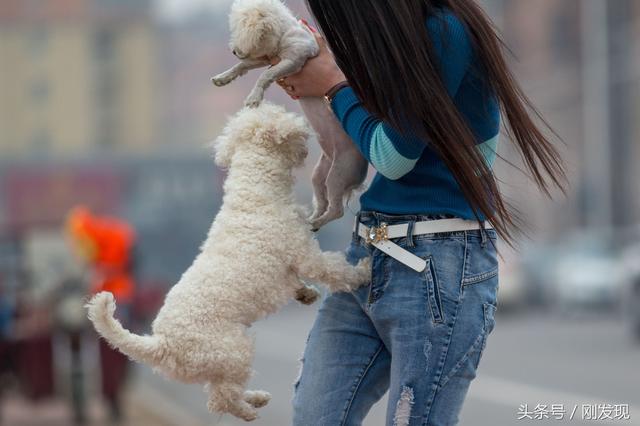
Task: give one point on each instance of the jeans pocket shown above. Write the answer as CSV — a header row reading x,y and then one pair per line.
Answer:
x,y
480,263
430,277
480,277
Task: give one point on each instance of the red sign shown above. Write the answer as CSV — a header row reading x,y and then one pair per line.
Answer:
x,y
36,196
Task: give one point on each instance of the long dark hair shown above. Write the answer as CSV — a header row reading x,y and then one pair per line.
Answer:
x,y
384,50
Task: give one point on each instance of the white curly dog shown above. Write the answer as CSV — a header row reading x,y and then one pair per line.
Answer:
x,y
265,29
251,263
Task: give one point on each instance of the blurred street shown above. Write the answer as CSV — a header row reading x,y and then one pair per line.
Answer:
x,y
531,358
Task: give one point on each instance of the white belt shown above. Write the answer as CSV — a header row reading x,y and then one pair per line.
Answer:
x,y
380,236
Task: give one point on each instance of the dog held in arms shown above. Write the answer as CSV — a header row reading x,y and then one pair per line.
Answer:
x,y
265,29
257,251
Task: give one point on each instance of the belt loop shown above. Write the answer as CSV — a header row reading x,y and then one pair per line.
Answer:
x,y
483,234
356,237
410,242
376,215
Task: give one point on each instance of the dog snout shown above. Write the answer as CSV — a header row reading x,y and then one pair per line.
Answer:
x,y
239,54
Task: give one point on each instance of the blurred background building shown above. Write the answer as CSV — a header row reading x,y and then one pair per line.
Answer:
x,y
108,103
578,60
78,77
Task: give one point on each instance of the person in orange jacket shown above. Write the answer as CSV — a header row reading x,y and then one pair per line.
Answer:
x,y
106,244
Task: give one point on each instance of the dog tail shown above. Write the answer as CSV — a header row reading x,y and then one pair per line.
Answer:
x,y
143,349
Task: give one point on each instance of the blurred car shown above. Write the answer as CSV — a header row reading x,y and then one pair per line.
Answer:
x,y
631,295
588,278
581,271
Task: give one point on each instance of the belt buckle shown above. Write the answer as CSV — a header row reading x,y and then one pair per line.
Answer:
x,y
377,234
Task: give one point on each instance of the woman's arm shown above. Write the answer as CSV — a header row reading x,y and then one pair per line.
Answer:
x,y
392,153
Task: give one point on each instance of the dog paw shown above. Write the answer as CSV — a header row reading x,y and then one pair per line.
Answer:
x,y
312,228
307,295
249,416
222,79
213,406
315,224
255,99
257,399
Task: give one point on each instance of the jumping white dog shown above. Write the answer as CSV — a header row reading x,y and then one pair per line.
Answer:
x,y
265,29
252,262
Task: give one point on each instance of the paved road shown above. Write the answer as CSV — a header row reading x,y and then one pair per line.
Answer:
x,y
531,358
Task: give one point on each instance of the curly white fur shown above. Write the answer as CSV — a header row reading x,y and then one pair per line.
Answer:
x,y
264,29
252,262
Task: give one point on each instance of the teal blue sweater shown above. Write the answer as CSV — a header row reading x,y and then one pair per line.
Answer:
x,y
411,178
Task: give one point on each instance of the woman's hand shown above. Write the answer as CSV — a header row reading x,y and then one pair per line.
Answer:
x,y
318,75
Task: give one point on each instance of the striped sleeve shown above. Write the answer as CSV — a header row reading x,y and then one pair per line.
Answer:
x,y
489,150
386,158
394,154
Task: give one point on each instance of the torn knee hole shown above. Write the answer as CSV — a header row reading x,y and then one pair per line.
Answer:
x,y
403,407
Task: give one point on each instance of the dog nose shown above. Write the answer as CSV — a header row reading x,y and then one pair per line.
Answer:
x,y
239,54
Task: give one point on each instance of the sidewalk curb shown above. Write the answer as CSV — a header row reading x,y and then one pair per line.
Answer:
x,y
161,406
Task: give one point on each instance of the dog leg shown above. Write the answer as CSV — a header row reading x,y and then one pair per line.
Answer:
x,y
329,133
335,210
238,70
332,269
282,69
319,182
230,398
347,173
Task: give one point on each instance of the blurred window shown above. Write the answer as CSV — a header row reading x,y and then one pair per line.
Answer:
x,y
565,32
106,135
41,142
39,92
105,41
38,40
106,86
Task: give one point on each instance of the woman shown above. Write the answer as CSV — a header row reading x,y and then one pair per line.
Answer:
x,y
419,85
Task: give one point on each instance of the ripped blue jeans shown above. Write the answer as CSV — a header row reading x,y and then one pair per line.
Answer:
x,y
418,335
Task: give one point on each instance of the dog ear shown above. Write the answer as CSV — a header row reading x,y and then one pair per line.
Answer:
x,y
294,135
298,152
223,150
258,25
293,130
